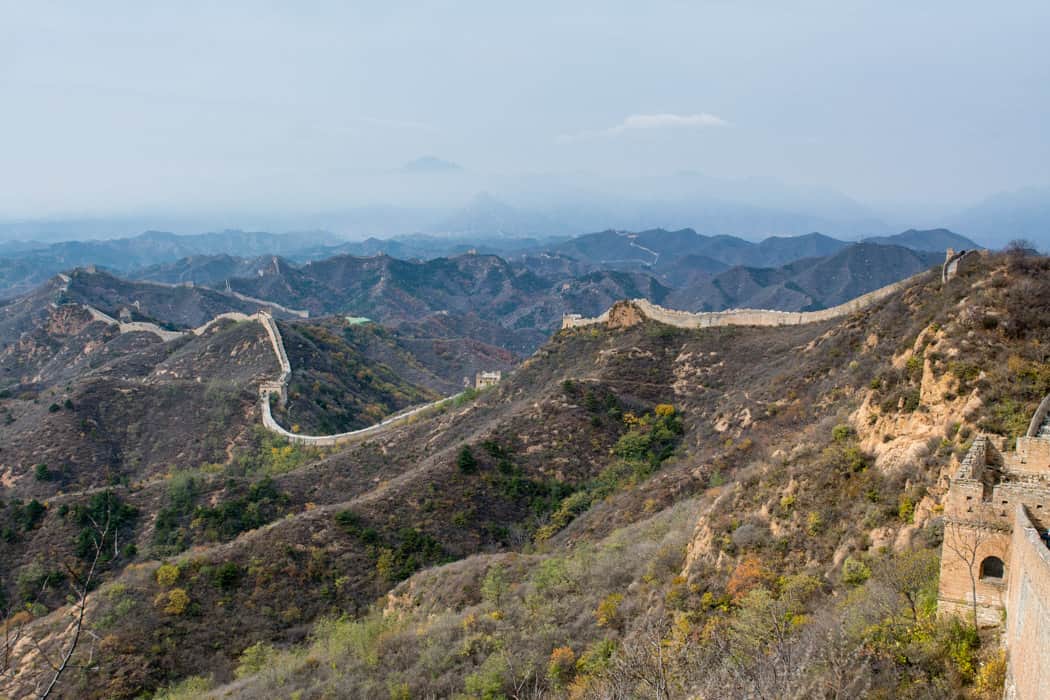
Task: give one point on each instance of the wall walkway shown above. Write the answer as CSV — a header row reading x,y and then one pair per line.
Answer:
x,y
276,387
747,317
279,387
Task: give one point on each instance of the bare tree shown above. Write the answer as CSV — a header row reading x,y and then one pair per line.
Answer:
x,y
81,574
644,665
964,540
81,584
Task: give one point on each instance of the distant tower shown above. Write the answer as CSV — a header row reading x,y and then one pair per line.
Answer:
x,y
486,379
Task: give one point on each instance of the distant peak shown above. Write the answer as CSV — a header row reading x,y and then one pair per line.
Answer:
x,y
430,164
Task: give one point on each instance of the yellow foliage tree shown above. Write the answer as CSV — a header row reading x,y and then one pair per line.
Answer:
x,y
167,575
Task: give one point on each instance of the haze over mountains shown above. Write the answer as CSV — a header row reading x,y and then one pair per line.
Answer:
x,y
513,299
431,196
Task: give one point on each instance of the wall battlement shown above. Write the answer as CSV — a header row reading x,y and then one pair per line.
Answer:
x,y
732,317
279,388
994,563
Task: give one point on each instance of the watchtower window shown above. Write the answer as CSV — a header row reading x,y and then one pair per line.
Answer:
x,y
992,568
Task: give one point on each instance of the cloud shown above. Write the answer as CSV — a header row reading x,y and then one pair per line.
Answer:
x,y
637,122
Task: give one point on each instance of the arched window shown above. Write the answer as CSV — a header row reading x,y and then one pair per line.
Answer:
x,y
992,567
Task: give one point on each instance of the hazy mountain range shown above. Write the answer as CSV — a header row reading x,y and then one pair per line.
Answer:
x,y
23,266
513,302
437,197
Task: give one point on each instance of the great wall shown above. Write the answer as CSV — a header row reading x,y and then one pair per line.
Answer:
x,y
736,317
279,388
995,560
274,389
621,313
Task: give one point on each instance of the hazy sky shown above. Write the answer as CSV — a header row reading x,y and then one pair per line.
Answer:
x,y
114,107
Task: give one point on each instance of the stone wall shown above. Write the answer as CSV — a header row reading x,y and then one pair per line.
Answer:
x,y
956,590
1028,619
279,387
349,437
1032,456
1039,417
979,515
133,326
735,317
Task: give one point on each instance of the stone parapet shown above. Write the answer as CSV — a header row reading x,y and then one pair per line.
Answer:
x,y
742,317
1028,608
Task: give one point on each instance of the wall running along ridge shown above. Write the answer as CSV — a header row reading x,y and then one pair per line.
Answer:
x,y
741,317
276,387
280,388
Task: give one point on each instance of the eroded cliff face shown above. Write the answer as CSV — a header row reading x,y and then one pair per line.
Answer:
x,y
912,441
899,438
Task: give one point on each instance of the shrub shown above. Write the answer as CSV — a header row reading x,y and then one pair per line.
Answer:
x,y
254,659
841,433
494,587
905,508
102,508
608,612
814,523
41,473
487,682
466,461
30,515
188,689
991,677
227,576
747,575
177,601
855,572
167,574
561,666
596,658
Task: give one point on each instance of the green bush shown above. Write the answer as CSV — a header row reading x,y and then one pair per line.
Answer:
x,y
227,576
106,512
841,433
466,461
855,572
254,659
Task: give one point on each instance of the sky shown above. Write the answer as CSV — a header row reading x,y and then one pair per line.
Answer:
x,y
128,107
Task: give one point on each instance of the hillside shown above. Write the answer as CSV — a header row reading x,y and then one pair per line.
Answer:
x,y
518,306
626,491
804,285
933,241
207,270
660,249
27,266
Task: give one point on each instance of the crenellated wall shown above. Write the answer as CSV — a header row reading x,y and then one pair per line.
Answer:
x,y
1028,613
279,387
741,317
